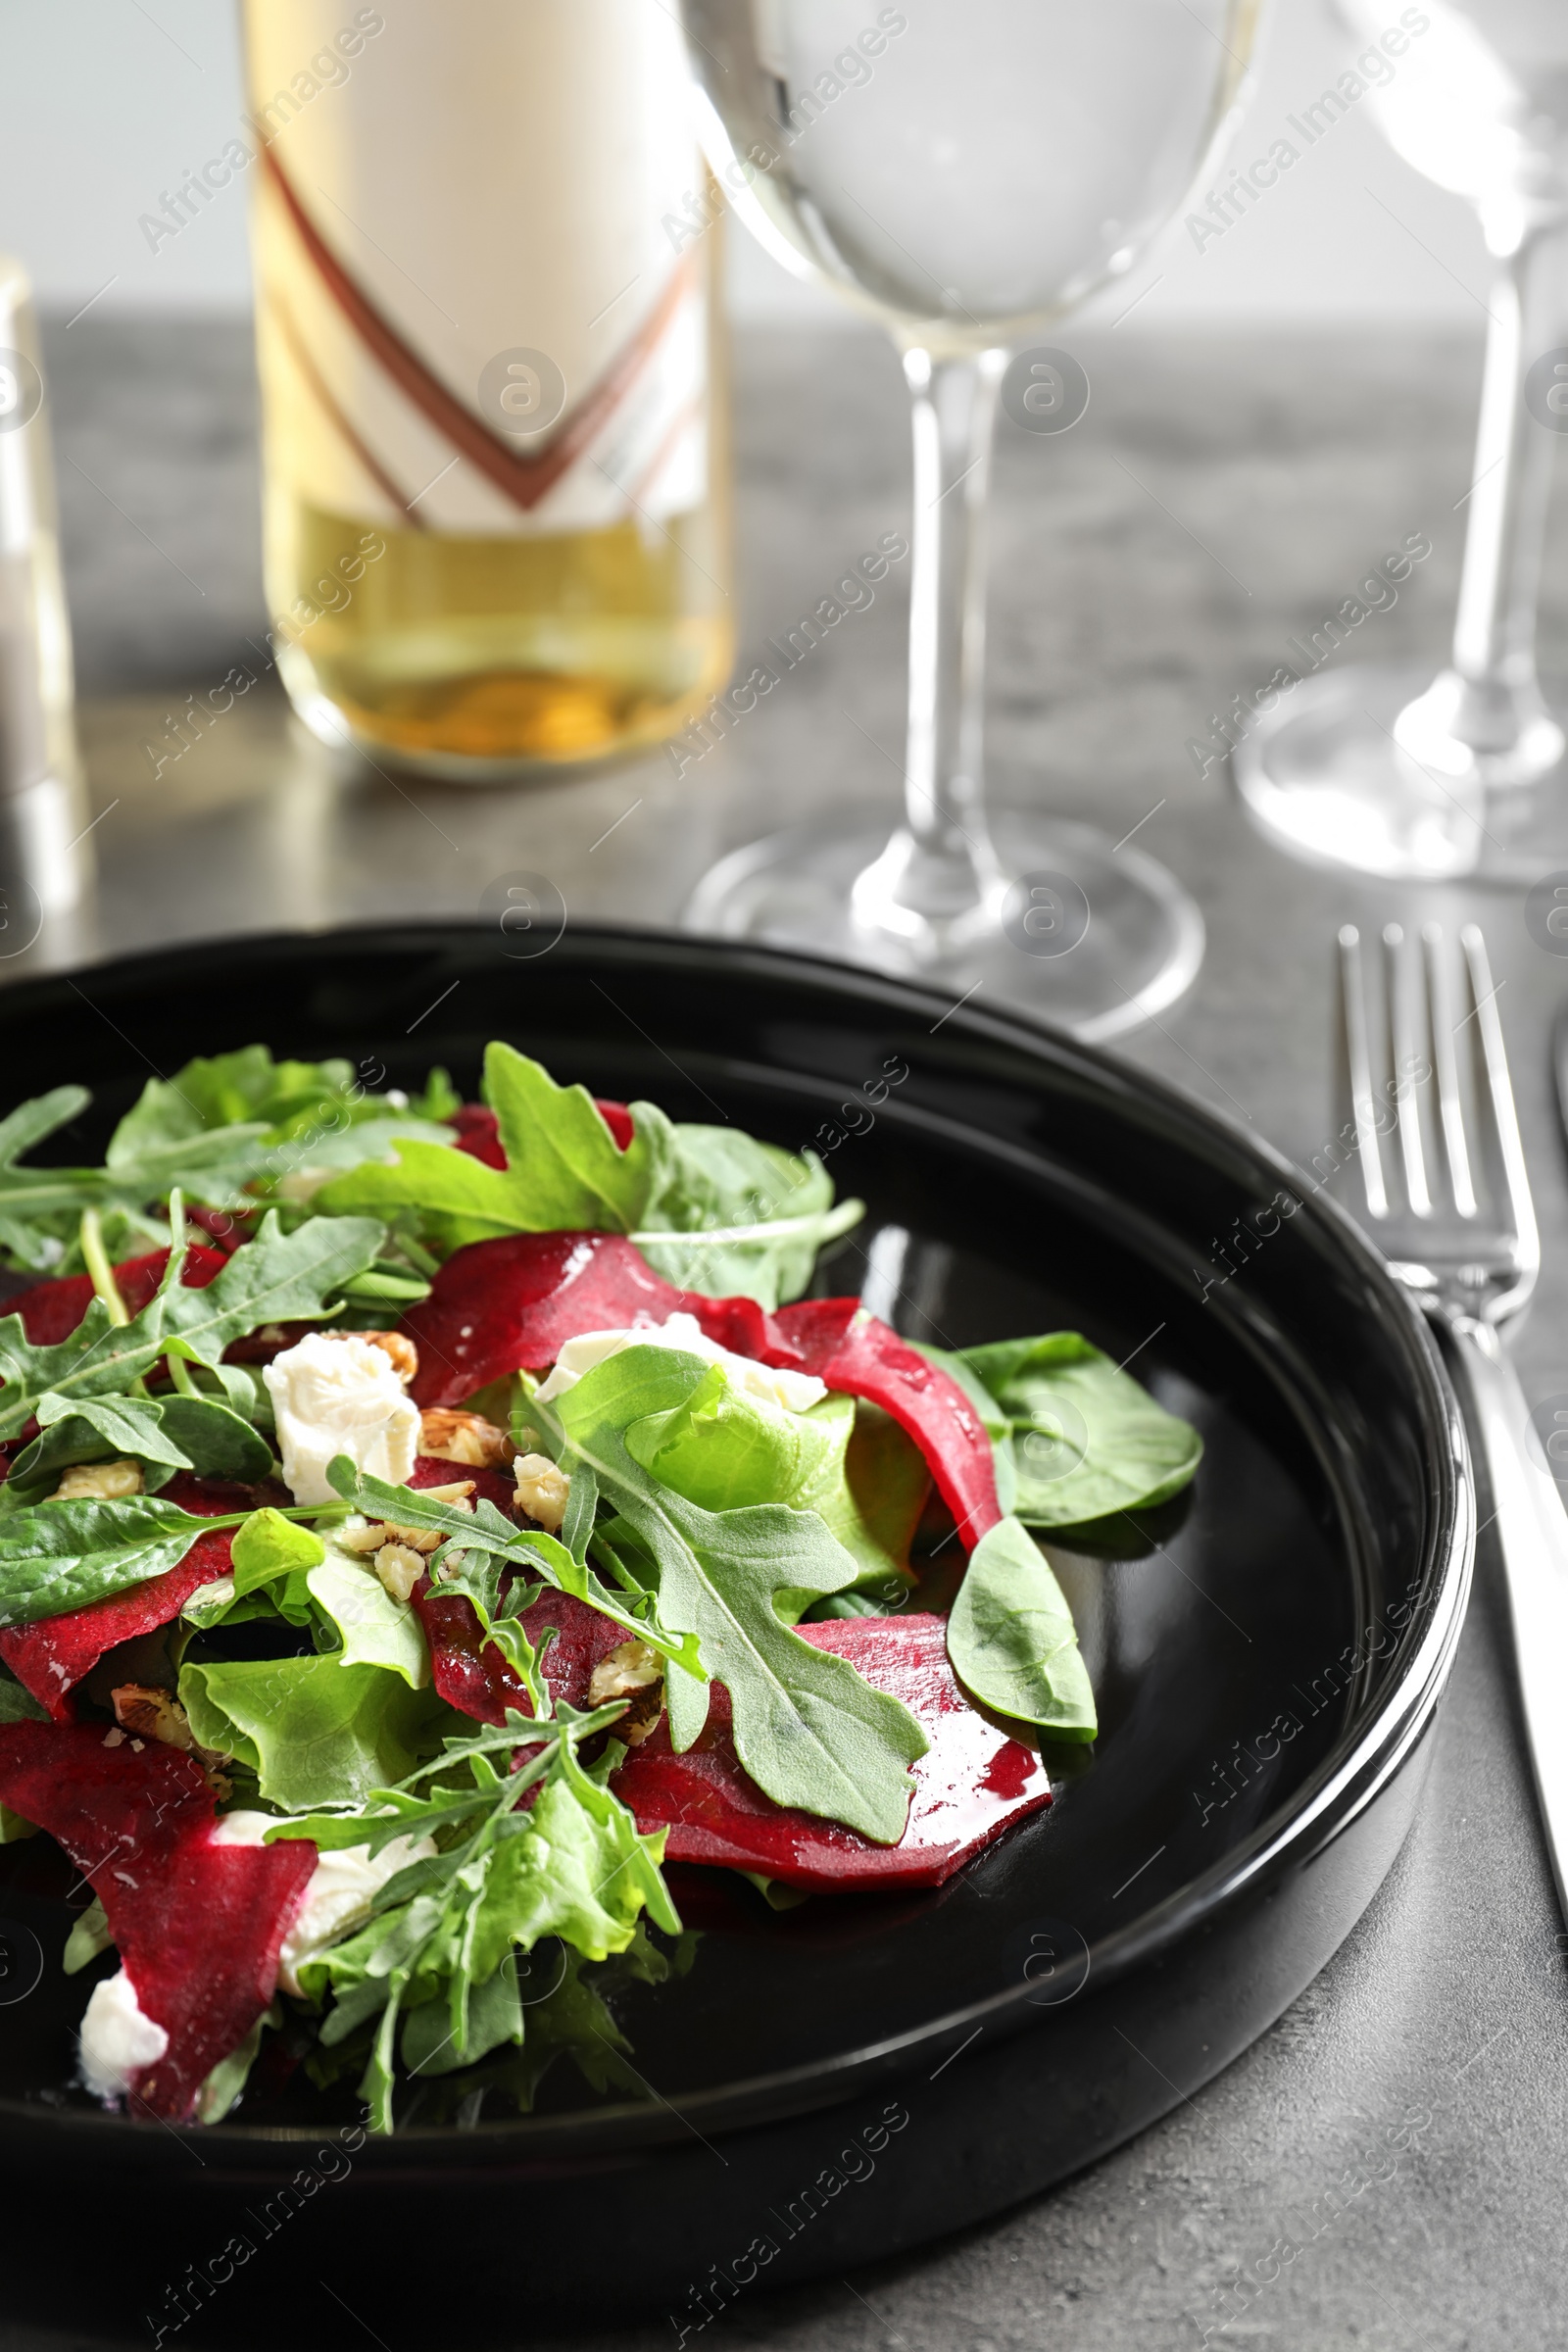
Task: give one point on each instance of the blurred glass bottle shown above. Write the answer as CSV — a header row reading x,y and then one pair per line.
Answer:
x,y
43,797
494,430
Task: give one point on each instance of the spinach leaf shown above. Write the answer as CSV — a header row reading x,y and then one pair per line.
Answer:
x,y
56,1556
1012,1639
315,1731
18,1704
734,1218
807,1729
275,1278
1087,1438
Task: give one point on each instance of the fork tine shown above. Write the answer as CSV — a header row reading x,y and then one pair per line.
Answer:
x,y
1357,1043
1500,1094
1445,1063
1405,998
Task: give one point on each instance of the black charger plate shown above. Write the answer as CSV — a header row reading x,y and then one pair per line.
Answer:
x,y
818,2087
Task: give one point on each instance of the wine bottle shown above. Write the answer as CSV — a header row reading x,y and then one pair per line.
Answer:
x,y
496,515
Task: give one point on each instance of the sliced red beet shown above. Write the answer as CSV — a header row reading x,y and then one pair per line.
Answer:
x,y
617,1119
510,1305
479,1131
198,1926
478,1134
468,1672
51,1657
972,1783
859,1356
50,1311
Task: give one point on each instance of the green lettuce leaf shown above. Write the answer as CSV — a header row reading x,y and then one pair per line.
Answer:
x,y
374,1628
723,1449
1012,1638
1087,1440
807,1729
273,1556
315,1731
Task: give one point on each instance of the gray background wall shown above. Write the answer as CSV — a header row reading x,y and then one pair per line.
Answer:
x,y
104,102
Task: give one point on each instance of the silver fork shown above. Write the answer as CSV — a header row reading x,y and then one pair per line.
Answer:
x,y
1447,1197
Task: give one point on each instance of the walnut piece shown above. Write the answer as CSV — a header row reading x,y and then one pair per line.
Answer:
x,y
146,1712
631,1667
400,1569
468,1437
153,1714
98,1482
542,1491
404,1354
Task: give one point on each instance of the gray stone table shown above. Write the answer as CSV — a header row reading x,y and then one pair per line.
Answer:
x,y
1219,497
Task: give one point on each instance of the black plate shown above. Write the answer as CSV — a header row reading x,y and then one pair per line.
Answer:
x,y
813,2087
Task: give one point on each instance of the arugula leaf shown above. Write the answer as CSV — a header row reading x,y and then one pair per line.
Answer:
x,y
1012,1638
713,1209
807,1729
565,1171
275,1278
1087,1438
41,1209
485,1531
174,1433
574,1865
315,1731
227,1090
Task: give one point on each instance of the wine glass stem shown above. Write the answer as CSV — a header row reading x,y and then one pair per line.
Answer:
x,y
1494,629
950,866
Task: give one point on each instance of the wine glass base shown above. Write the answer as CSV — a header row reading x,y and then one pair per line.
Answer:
x,y
1322,776
1094,938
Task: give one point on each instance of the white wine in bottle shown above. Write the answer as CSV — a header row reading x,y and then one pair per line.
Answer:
x,y
496,476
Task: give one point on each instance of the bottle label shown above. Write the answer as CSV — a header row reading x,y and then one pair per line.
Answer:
x,y
472,316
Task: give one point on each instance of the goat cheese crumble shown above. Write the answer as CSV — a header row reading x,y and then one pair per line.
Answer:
x,y
117,2039
334,1395
796,1392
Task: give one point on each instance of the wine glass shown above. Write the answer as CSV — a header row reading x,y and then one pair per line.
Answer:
x,y
1386,768
967,175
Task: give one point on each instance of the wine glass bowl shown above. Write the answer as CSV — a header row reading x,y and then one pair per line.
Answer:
x,y
966,177
1463,774
896,156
